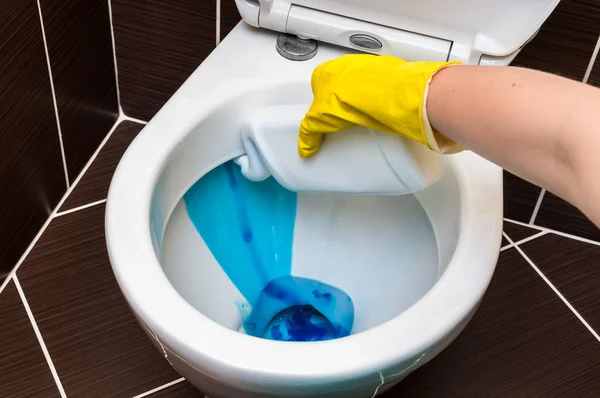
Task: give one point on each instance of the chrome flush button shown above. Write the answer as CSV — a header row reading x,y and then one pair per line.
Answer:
x,y
365,41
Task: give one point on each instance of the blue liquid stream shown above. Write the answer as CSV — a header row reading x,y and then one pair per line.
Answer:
x,y
249,227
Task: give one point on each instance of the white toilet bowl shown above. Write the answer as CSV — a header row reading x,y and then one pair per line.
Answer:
x,y
405,314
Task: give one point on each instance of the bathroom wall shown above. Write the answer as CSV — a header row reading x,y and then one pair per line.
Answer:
x,y
58,99
159,44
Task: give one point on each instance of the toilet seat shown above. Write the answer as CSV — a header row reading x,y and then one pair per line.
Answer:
x,y
471,31
150,179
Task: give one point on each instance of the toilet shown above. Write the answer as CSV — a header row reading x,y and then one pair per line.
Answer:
x,y
413,268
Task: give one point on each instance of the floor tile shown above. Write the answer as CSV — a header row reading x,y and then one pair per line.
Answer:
x,y
520,198
559,215
83,70
566,41
518,232
32,179
229,17
522,342
96,345
94,185
504,242
574,268
24,371
179,390
158,45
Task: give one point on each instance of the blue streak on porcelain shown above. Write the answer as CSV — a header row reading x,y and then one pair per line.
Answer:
x,y
249,227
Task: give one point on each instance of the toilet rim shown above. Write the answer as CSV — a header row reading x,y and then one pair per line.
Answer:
x,y
199,340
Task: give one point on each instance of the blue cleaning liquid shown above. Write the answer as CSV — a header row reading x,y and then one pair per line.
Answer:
x,y
249,227
291,308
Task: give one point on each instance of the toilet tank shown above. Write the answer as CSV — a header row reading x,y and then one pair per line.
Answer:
x,y
470,31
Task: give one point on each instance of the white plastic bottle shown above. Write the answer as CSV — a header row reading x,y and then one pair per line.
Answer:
x,y
355,161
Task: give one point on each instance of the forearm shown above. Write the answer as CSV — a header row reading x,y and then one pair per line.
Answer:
x,y
541,127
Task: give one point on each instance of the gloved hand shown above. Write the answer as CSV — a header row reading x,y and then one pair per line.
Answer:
x,y
384,93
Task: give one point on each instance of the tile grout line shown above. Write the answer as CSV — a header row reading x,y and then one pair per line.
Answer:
x,y
522,241
98,202
132,119
590,67
510,243
60,203
558,293
160,388
218,23
538,204
381,383
54,101
114,50
78,208
553,231
530,238
40,339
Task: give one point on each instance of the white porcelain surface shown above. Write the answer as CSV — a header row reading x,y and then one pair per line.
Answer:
x,y
200,128
463,30
380,250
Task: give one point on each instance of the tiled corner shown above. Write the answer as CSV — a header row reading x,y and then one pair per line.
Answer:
x,y
229,17
81,55
24,371
96,345
566,41
32,179
574,268
555,213
158,45
94,184
520,198
522,342
518,232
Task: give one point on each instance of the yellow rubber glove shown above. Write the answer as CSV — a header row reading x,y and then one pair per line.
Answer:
x,y
383,93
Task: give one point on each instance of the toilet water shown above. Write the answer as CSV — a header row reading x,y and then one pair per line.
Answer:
x,y
248,227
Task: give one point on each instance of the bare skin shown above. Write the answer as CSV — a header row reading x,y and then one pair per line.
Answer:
x,y
541,127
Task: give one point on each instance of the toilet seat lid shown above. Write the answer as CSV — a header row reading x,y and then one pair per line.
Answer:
x,y
491,27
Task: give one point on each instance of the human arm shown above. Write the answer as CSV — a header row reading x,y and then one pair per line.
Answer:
x,y
541,127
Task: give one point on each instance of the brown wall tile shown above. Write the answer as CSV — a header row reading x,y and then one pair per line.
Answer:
x,y
555,213
518,232
96,180
229,17
573,267
520,198
566,41
32,179
159,44
24,372
81,55
96,345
